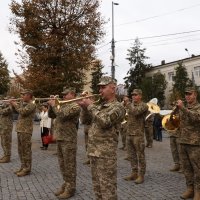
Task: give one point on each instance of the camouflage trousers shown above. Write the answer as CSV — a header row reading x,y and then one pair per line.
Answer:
x,y
175,148
123,132
149,135
190,157
24,150
6,141
136,154
86,129
67,162
104,178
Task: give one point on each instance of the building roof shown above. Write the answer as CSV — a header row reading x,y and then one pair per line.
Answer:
x,y
193,57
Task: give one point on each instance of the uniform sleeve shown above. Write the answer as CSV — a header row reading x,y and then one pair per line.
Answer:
x,y
6,111
25,111
194,116
107,119
67,112
137,110
85,116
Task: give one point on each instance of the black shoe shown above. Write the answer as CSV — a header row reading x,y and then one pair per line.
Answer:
x,y
42,148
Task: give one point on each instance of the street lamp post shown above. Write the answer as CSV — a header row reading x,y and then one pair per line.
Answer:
x,y
113,44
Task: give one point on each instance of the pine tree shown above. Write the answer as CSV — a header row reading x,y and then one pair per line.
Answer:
x,y
4,75
181,81
96,75
136,58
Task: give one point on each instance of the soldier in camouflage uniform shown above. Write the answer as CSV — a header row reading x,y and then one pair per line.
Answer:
x,y
6,126
65,127
190,142
103,140
24,129
149,130
135,142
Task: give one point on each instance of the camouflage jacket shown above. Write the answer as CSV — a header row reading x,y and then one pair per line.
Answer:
x,y
6,121
65,123
136,118
26,115
190,124
85,117
103,135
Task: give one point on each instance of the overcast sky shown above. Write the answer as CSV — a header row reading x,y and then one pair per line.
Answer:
x,y
133,18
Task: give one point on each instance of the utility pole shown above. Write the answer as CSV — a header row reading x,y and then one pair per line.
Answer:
x,y
113,44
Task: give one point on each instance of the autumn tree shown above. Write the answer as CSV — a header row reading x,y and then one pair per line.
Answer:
x,y
137,61
4,75
58,38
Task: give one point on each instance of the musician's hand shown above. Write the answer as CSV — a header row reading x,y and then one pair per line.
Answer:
x,y
85,102
13,103
180,104
126,101
51,102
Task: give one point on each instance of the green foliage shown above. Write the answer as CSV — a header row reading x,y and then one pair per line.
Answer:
x,y
136,58
181,81
96,75
154,87
58,41
4,76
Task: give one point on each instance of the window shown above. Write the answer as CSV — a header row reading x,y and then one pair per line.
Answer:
x,y
171,76
197,71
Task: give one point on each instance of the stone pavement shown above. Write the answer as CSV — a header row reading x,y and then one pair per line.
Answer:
x,y
45,178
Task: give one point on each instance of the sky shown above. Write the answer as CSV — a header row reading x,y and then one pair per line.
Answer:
x,y
178,19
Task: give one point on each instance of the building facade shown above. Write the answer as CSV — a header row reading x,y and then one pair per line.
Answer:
x,y
191,64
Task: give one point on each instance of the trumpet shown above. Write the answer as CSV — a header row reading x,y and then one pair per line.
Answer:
x,y
52,97
61,102
8,100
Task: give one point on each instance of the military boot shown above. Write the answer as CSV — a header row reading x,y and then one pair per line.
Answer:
x,y
196,195
60,190
189,193
5,159
24,172
140,179
18,170
131,177
175,168
66,194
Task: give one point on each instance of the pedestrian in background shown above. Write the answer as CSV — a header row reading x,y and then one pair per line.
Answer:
x,y
45,125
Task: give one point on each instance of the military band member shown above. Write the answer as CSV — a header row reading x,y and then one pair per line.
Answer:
x,y
103,140
6,126
65,127
24,129
135,142
190,143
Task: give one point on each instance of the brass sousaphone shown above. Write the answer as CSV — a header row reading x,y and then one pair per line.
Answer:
x,y
171,122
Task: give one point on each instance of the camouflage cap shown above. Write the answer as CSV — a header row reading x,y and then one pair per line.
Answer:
x,y
67,90
190,89
26,91
105,80
137,91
